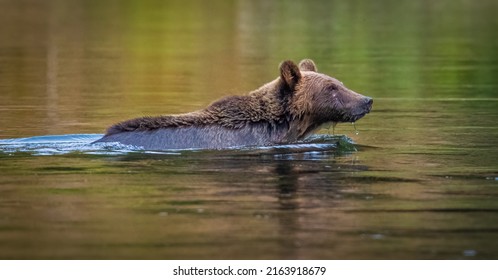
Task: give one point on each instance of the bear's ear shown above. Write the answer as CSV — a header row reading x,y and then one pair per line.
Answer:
x,y
289,73
307,65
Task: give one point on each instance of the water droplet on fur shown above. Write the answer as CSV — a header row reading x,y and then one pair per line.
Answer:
x,y
355,130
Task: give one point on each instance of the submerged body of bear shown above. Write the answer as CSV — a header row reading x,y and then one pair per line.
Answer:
x,y
282,111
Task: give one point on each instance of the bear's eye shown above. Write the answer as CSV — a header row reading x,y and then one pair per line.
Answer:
x,y
333,87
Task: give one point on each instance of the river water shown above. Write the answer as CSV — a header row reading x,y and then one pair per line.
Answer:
x,y
416,179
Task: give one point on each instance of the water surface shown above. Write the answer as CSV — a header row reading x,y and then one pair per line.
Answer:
x,y
419,180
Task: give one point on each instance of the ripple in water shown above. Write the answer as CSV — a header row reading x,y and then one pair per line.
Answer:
x,y
83,143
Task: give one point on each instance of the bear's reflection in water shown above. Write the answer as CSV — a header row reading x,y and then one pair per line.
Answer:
x,y
293,194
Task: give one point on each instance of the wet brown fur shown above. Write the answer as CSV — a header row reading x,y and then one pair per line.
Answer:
x,y
300,99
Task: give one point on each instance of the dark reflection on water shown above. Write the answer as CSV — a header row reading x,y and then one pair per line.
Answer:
x,y
419,181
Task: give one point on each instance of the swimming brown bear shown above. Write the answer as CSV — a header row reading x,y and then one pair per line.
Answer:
x,y
284,110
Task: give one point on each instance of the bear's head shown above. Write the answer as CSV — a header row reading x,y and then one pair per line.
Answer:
x,y
318,98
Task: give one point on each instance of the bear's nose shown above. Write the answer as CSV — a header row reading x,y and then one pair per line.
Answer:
x,y
368,102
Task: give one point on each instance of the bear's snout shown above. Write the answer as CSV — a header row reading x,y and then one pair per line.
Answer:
x,y
368,104
359,109
365,107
